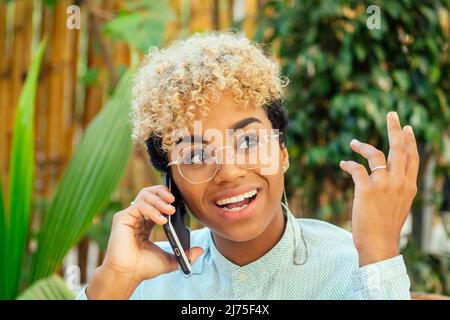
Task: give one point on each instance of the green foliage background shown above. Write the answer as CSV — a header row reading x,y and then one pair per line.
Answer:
x,y
345,77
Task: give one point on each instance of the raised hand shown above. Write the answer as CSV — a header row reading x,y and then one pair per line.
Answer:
x,y
383,199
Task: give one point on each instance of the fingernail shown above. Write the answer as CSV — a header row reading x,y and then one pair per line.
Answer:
x,y
409,129
354,141
393,115
342,162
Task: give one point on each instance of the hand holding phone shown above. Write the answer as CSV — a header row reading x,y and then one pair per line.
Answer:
x,y
131,257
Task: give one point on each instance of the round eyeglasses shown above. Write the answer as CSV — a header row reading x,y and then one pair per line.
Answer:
x,y
199,163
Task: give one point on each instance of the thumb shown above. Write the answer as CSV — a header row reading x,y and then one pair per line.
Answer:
x,y
194,253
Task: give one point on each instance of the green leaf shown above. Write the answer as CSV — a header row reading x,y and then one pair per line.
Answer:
x,y
402,79
21,177
91,176
51,288
2,238
142,25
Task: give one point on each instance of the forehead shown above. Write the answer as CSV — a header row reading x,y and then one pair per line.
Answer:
x,y
227,112
217,126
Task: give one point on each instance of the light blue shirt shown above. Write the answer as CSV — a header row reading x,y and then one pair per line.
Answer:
x,y
312,260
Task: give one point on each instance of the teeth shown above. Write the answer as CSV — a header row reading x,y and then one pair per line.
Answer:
x,y
236,198
235,209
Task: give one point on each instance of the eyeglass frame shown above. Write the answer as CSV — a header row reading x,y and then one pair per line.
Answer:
x,y
218,164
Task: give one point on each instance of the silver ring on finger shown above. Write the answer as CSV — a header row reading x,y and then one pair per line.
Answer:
x,y
377,168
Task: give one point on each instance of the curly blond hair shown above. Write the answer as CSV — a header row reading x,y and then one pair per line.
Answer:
x,y
173,86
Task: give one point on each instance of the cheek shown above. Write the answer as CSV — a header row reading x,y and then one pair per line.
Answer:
x,y
276,180
193,197
192,194
276,186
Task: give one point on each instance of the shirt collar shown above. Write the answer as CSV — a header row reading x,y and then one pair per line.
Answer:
x,y
291,248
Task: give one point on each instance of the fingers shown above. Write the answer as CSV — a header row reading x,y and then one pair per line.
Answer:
x,y
133,215
374,156
403,158
158,203
161,191
151,203
412,163
357,171
149,212
397,147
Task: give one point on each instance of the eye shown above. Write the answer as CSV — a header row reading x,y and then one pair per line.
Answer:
x,y
196,155
247,141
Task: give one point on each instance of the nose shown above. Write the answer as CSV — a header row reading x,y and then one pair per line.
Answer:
x,y
228,170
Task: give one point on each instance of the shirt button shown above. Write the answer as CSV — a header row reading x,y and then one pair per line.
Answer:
x,y
242,277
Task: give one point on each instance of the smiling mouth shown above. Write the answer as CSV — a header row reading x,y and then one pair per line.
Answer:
x,y
237,203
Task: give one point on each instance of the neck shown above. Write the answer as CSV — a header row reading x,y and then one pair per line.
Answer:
x,y
243,253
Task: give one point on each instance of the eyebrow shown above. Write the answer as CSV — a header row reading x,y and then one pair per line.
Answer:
x,y
191,139
245,122
238,125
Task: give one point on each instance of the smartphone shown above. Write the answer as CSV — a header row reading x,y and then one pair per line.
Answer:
x,y
177,232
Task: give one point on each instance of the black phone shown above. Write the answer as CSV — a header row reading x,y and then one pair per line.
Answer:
x,y
177,232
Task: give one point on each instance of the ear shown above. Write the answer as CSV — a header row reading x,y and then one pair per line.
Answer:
x,y
284,158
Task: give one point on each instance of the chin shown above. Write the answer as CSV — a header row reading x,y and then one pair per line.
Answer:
x,y
242,233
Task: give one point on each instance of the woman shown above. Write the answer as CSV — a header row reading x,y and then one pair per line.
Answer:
x,y
201,106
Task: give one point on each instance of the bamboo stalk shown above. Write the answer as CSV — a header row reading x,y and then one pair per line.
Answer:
x,y
21,46
174,27
19,62
94,96
201,17
55,97
215,15
41,108
72,78
251,12
230,13
105,53
83,248
4,94
225,13
69,83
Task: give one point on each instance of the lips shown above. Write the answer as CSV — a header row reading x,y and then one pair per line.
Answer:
x,y
237,203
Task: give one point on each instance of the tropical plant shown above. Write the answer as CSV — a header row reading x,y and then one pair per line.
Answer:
x,y
141,24
51,288
15,217
91,176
